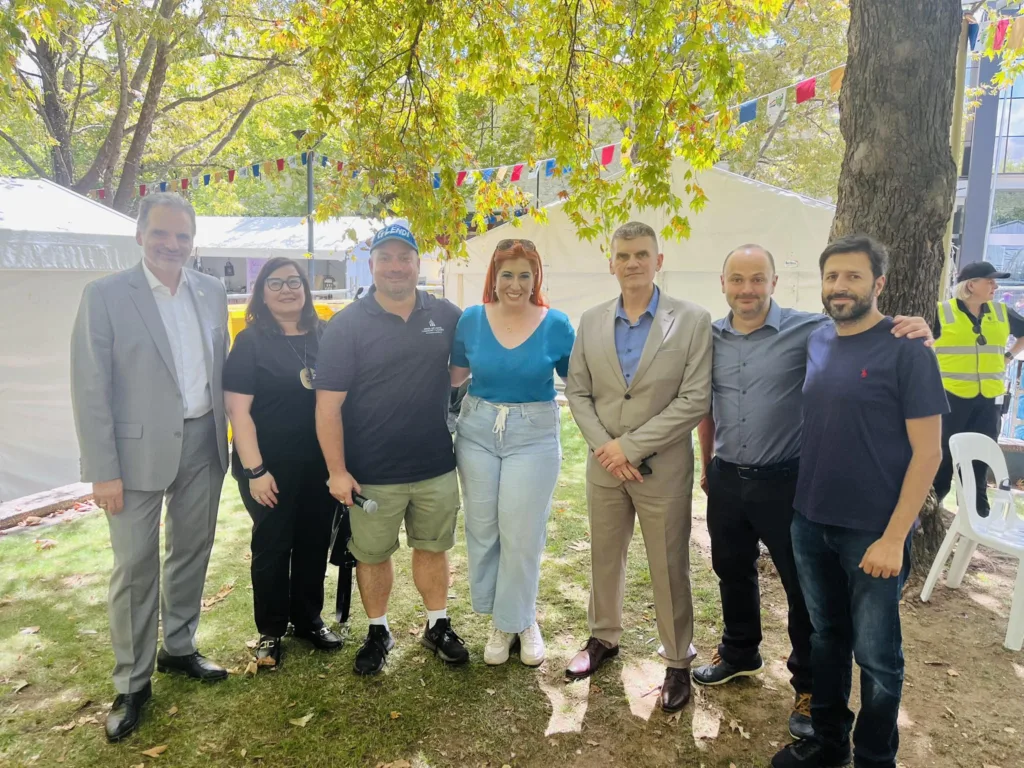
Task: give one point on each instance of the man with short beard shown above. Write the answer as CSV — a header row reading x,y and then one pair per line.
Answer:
x,y
870,446
383,388
753,433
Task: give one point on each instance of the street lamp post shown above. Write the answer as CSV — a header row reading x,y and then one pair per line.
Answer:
x,y
299,134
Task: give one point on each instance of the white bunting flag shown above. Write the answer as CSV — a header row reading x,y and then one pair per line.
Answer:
x,y
776,103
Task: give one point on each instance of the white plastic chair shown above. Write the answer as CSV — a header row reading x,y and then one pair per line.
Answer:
x,y
1002,530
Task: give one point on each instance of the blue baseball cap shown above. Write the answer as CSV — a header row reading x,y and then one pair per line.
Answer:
x,y
397,231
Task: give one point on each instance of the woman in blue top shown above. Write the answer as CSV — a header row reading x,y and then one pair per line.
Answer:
x,y
507,442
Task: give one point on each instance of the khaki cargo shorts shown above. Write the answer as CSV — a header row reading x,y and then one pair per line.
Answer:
x,y
429,509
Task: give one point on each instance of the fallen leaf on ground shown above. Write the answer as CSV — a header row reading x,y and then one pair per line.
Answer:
x,y
44,544
395,715
66,727
592,743
773,744
87,632
302,721
1010,730
244,752
951,713
952,673
250,668
266,661
580,546
20,685
155,751
674,718
292,704
491,691
252,644
29,631
415,631
32,520
172,711
736,726
209,602
321,677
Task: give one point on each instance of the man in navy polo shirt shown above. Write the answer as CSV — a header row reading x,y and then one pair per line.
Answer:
x,y
870,446
383,390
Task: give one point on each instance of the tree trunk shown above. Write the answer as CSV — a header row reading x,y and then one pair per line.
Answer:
x,y
898,177
55,112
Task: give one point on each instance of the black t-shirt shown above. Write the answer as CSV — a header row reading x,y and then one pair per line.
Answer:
x,y
266,365
396,375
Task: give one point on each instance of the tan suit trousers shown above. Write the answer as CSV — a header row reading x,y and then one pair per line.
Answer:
x,y
665,523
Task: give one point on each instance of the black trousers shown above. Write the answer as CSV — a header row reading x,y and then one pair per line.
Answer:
x,y
974,414
744,507
289,547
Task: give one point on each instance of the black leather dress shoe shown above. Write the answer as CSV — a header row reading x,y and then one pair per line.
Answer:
x,y
126,713
195,665
675,691
322,639
268,652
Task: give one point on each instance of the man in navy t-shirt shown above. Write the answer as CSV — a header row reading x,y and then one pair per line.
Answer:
x,y
871,443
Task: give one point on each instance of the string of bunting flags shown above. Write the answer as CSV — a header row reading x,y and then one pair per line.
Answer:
x,y
805,90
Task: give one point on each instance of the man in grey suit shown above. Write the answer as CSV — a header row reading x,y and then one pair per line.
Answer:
x,y
147,352
639,382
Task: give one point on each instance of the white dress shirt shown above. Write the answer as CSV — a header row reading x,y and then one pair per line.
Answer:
x,y
181,320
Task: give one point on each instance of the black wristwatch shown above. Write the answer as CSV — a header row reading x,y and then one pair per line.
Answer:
x,y
255,472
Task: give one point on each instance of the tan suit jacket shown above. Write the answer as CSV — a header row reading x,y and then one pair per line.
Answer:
x,y
654,416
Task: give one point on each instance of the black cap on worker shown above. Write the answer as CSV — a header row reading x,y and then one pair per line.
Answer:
x,y
979,269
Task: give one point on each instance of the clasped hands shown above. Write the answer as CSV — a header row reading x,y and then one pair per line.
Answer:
x,y
614,461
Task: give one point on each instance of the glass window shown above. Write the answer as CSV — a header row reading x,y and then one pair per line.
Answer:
x,y
1014,155
1016,121
1018,87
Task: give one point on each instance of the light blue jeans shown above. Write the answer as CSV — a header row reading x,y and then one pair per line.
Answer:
x,y
508,458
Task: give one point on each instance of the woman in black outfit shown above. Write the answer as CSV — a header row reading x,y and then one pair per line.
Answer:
x,y
277,462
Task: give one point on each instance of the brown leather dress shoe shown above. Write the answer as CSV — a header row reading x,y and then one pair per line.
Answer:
x,y
675,691
589,660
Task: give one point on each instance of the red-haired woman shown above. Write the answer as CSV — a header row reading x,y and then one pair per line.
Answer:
x,y
507,442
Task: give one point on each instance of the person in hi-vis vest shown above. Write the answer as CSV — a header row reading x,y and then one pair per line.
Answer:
x,y
971,333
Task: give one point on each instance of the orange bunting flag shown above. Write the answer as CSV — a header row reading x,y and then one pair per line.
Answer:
x,y
267,167
835,79
1016,37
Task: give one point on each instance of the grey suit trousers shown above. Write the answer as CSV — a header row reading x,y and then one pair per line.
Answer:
x,y
192,502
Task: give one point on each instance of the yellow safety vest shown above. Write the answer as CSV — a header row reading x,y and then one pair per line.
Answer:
x,y
968,368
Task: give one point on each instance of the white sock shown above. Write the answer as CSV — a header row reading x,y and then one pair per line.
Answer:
x,y
381,622
434,616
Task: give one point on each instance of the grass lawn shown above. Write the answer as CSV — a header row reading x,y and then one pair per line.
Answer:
x,y
418,711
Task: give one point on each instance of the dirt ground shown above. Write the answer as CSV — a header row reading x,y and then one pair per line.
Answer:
x,y
963,699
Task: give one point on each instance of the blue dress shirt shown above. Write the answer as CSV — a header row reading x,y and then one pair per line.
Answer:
x,y
630,338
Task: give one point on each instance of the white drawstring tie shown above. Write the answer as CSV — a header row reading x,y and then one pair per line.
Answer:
x,y
499,422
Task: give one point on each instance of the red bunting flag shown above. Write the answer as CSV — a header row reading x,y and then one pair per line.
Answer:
x,y
517,171
460,178
1000,37
280,163
341,166
805,90
101,193
142,190
607,154
231,175
184,184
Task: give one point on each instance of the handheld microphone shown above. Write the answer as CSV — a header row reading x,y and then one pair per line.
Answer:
x,y
369,505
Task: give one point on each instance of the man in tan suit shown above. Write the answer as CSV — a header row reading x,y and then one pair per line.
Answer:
x,y
639,382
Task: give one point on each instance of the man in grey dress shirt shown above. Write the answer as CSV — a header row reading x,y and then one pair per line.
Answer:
x,y
753,433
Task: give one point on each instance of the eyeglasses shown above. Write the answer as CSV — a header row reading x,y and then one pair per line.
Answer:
x,y
505,245
981,340
277,283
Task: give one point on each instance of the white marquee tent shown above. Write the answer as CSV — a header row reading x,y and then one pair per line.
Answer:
x,y
794,228
52,242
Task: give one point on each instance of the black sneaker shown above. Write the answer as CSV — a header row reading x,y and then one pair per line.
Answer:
x,y
800,719
268,652
371,657
719,671
443,641
811,754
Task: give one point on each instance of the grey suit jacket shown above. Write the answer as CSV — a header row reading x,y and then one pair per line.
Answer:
x,y
669,395
129,411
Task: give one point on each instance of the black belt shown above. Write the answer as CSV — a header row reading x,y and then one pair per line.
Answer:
x,y
764,472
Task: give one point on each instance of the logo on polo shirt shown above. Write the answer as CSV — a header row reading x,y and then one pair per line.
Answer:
x,y
433,329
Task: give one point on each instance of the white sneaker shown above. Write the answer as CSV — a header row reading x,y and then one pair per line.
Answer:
x,y
531,646
498,645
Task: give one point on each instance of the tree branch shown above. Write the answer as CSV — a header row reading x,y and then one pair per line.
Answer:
x,y
242,115
36,168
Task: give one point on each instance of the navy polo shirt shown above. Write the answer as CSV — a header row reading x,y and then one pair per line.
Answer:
x,y
396,375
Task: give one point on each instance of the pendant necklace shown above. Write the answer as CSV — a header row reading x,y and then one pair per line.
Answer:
x,y
307,374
